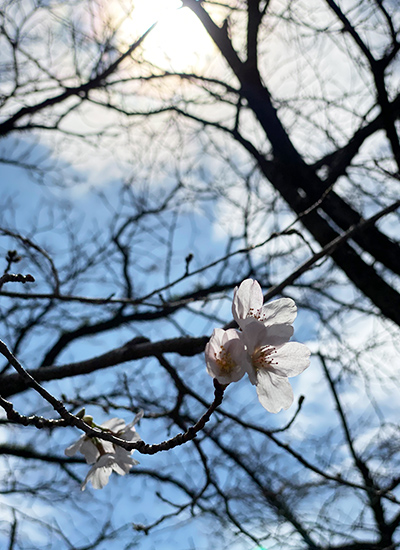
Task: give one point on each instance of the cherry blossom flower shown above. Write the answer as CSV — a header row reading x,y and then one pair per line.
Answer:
x,y
262,347
120,462
271,359
104,455
225,356
248,305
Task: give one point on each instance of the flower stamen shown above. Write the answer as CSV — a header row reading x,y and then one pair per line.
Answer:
x,y
256,313
224,361
261,358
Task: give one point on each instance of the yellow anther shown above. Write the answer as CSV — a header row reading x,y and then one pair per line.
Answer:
x,y
224,361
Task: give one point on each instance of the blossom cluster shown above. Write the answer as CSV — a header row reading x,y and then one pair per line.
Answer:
x,y
261,347
104,455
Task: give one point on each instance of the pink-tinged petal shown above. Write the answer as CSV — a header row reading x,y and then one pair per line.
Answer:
x,y
214,344
255,335
291,359
235,375
247,297
236,350
279,312
274,392
225,356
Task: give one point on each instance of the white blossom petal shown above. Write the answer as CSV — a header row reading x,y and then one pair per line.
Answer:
x,y
137,418
99,473
114,424
89,450
262,347
291,359
124,458
246,298
274,392
256,335
85,446
276,335
129,433
123,461
75,447
279,312
120,462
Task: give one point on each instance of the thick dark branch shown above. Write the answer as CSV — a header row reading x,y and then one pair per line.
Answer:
x,y
30,453
388,120
348,27
361,274
186,347
330,248
119,318
292,173
218,34
254,18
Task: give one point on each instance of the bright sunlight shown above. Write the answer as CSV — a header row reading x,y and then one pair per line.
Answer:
x,y
178,42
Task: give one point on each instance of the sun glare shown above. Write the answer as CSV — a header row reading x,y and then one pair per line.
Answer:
x,y
178,42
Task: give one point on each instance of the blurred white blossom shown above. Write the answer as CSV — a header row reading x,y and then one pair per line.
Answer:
x,y
104,455
120,462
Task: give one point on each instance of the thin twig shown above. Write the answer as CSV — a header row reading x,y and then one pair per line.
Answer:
x,y
16,278
72,420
